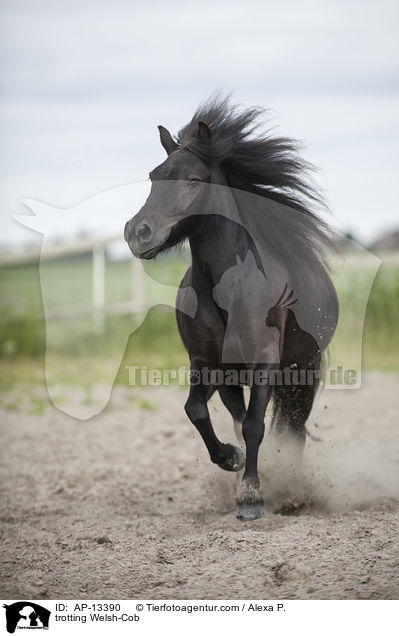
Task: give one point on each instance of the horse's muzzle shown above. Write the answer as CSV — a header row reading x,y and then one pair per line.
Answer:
x,y
142,232
138,236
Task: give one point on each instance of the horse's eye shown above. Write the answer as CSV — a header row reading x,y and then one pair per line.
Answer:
x,y
194,180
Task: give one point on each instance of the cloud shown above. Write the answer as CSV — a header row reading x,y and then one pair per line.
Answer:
x,y
84,86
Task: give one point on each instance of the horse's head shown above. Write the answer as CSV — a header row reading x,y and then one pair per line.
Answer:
x,y
177,192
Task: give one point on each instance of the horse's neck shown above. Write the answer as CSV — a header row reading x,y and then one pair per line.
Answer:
x,y
215,247
218,239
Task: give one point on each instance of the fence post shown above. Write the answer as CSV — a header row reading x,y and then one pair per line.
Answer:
x,y
98,287
137,285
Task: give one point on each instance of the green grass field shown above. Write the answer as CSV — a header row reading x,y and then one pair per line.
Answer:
x,y
156,342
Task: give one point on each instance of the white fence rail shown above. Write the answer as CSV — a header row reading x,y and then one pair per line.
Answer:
x,y
98,307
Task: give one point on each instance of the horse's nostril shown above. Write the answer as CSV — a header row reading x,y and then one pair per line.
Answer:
x,y
144,233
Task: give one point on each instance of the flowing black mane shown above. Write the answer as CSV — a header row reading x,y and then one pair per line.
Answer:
x,y
265,165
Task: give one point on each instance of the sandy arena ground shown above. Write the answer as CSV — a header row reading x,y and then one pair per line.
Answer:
x,y
128,505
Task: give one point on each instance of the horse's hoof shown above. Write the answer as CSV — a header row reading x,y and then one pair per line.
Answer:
x,y
249,499
234,460
249,512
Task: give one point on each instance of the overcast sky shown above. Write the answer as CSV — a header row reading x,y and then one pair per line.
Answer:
x,y
84,84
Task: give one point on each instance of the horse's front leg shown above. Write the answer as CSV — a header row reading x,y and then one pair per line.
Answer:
x,y
226,456
249,499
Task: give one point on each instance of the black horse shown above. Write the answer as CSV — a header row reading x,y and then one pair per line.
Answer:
x,y
244,201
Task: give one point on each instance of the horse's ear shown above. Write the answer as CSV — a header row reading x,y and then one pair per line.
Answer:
x,y
167,140
204,133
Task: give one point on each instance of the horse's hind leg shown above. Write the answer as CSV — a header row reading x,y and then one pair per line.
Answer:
x,y
226,456
293,404
292,407
233,399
